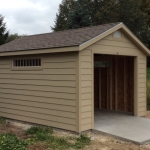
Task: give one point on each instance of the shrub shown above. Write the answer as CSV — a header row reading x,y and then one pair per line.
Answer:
x,y
11,142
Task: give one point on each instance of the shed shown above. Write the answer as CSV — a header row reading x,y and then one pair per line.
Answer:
x,y
58,79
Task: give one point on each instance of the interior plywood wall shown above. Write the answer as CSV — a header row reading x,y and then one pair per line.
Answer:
x,y
114,86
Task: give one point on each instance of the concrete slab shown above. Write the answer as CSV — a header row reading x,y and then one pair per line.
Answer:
x,y
123,125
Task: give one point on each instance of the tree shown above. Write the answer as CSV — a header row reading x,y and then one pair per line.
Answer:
x,y
62,16
79,17
3,33
82,13
145,7
12,37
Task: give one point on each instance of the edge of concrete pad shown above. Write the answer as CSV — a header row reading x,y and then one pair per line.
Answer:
x,y
121,138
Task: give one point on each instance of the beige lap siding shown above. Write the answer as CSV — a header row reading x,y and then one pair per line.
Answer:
x,y
110,45
86,89
142,85
46,96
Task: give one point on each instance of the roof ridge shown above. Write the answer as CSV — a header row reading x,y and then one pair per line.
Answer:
x,y
71,29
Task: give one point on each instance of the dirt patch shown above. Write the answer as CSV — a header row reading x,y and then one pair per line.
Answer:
x,y
101,142
12,129
38,146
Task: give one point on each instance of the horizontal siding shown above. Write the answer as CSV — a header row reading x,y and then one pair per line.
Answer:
x,y
46,96
86,89
39,82
125,46
63,65
38,88
116,44
39,121
44,71
86,102
53,112
142,84
39,94
142,113
86,114
86,121
86,127
39,116
9,103
24,98
23,76
114,50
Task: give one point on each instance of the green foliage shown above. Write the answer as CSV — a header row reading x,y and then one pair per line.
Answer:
x,y
39,129
2,120
41,133
82,13
148,88
60,143
82,141
12,37
62,16
57,143
3,33
11,142
79,17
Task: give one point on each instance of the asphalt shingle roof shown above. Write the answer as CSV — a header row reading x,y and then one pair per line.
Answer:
x,y
66,38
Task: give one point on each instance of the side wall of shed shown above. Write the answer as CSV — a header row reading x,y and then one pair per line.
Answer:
x,y
111,46
47,96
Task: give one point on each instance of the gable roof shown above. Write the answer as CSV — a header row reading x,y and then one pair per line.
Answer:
x,y
80,38
73,37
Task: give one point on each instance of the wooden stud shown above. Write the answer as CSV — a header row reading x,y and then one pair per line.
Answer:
x,y
116,102
110,84
125,101
107,88
100,105
136,85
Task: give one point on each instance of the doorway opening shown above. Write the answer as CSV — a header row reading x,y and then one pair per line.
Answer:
x,y
114,83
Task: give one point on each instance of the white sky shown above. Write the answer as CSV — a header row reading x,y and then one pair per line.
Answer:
x,y
29,16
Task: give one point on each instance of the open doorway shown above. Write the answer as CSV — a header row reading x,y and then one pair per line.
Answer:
x,y
114,83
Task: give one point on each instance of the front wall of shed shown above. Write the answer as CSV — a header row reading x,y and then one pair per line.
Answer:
x,y
46,96
112,46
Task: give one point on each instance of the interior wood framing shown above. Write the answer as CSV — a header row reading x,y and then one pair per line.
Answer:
x,y
114,85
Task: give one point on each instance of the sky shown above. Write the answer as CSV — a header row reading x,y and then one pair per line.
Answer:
x,y
29,16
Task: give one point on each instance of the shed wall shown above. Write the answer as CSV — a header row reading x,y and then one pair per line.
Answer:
x,y
46,96
86,88
110,45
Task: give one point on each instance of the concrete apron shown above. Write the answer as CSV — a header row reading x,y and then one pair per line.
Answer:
x,y
123,126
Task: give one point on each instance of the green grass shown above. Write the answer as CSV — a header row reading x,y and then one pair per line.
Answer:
x,y
57,143
2,120
42,135
148,88
11,142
